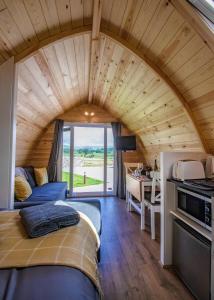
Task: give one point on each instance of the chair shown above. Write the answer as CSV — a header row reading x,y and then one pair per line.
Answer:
x,y
152,202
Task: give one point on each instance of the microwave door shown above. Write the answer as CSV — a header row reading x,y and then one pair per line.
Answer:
x,y
196,208
191,205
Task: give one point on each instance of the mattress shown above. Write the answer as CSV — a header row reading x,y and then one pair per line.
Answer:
x,y
46,283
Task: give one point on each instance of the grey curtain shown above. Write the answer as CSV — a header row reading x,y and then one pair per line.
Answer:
x,y
57,142
119,172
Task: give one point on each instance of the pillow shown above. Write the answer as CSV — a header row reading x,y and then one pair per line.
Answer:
x,y
41,175
22,188
20,172
30,176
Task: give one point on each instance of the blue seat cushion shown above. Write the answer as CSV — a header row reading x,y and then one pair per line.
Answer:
x,y
51,191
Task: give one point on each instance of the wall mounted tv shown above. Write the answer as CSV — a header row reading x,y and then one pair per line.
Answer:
x,y
126,143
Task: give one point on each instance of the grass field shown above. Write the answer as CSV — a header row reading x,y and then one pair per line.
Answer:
x,y
79,180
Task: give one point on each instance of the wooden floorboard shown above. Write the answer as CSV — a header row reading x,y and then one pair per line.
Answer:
x,y
129,266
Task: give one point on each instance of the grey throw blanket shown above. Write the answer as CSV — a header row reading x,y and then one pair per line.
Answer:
x,y
42,219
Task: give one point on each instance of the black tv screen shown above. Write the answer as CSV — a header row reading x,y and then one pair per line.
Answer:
x,y
126,143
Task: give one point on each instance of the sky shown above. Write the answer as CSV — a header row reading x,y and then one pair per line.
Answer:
x,y
89,136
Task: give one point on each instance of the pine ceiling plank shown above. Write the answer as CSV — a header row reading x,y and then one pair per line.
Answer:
x,y
202,25
198,77
128,76
10,33
142,21
183,36
38,64
129,71
80,56
87,11
2,5
50,12
159,19
184,55
132,9
51,89
54,68
117,14
64,14
157,102
201,89
134,110
107,56
115,61
35,89
37,18
106,12
24,103
76,13
31,98
138,85
72,64
168,125
19,13
193,64
117,81
166,35
63,64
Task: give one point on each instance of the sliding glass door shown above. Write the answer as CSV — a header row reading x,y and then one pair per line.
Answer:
x,y
88,159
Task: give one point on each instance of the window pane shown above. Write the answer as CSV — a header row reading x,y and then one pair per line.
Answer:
x,y
110,160
66,156
88,173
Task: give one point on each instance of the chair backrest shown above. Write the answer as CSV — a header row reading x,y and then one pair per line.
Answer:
x,y
155,186
130,166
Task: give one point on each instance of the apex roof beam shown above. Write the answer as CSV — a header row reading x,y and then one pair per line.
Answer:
x,y
97,11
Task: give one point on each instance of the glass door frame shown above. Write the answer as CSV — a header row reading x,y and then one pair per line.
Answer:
x,y
71,193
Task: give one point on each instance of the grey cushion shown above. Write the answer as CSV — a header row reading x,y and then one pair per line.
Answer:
x,y
20,172
30,176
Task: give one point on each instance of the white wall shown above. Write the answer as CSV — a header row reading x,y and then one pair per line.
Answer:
x,y
167,203
8,91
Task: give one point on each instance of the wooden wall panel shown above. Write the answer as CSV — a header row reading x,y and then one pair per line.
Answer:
x,y
40,154
56,77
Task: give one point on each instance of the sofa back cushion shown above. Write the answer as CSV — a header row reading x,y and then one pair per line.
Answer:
x,y
22,188
30,176
41,176
20,172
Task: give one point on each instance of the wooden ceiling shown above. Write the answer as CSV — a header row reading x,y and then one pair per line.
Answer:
x,y
148,62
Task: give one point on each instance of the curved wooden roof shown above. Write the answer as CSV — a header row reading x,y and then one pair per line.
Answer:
x,y
150,63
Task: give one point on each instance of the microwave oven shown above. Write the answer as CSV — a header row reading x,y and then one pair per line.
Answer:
x,y
195,206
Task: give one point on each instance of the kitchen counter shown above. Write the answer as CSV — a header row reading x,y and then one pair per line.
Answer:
x,y
205,193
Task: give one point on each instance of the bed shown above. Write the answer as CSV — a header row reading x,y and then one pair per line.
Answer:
x,y
52,281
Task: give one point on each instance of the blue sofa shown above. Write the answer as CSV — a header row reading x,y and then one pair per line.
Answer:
x,y
48,192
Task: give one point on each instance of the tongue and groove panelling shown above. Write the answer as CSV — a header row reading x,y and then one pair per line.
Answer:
x,y
56,78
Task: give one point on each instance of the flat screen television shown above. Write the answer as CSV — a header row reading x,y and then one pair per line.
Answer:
x,y
126,143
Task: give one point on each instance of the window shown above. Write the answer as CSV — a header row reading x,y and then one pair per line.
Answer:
x,y
206,7
88,159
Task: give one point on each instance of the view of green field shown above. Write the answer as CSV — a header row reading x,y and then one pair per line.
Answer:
x,y
79,180
89,157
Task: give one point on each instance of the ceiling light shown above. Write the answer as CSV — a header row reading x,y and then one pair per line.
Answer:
x,y
86,113
92,114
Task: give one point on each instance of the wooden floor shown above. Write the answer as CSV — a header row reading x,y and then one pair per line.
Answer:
x,y
129,264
